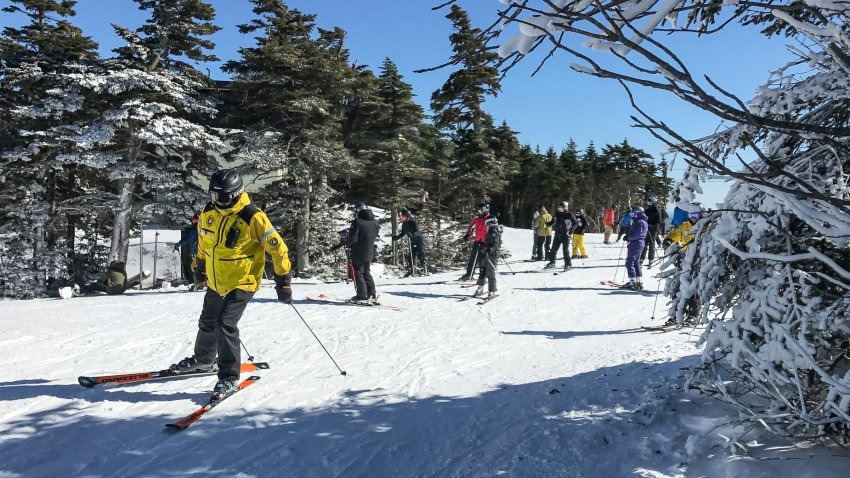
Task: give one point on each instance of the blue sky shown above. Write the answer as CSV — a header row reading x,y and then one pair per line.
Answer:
x,y
548,109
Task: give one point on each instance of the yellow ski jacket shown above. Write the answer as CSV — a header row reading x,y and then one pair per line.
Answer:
x,y
543,229
681,234
232,246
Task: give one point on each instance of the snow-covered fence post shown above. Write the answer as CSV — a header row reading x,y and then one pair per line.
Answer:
x,y
155,257
141,253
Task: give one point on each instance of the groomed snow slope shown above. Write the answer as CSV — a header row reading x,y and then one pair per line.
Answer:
x,y
554,378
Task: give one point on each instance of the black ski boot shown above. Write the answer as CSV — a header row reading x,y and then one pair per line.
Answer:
x,y
223,388
191,364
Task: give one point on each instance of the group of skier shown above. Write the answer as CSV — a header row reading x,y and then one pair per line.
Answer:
x,y
233,236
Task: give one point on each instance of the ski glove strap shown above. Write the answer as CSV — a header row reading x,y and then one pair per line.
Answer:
x,y
283,286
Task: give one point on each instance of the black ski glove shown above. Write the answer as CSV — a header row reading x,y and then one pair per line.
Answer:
x,y
466,237
283,287
200,272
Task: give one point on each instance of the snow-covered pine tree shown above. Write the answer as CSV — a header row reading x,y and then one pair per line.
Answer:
x,y
289,95
142,132
36,184
154,115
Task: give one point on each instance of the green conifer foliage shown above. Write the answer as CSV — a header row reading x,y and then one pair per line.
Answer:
x,y
289,100
476,170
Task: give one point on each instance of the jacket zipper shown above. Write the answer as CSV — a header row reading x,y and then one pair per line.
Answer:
x,y
233,259
217,241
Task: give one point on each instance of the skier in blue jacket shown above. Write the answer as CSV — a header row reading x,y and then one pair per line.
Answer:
x,y
625,224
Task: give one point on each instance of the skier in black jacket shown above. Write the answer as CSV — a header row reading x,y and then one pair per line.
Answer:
x,y
361,242
410,228
653,218
563,223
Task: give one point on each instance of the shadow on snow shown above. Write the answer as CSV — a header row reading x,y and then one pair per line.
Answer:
x,y
606,422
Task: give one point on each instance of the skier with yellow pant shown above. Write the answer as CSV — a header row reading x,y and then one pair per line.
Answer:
x,y
233,239
579,252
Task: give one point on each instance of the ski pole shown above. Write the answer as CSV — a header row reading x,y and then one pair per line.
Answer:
x,y
349,269
657,293
341,371
614,279
410,248
250,357
508,265
494,266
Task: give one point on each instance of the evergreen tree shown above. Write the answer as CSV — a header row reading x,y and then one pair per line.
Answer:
x,y
458,108
506,147
392,147
36,181
149,134
291,90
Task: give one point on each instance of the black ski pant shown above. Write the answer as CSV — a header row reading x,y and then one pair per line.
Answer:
x,y
543,243
218,333
561,240
417,251
186,265
487,266
363,280
473,259
651,237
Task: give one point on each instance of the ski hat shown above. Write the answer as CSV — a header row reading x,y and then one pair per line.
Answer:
x,y
359,206
405,213
638,209
651,200
564,204
483,207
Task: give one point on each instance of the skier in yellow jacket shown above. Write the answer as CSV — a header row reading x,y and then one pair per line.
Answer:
x,y
681,234
233,239
544,234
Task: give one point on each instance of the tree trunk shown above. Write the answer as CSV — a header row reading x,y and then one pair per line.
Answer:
x,y
394,223
303,229
71,244
38,255
439,211
121,225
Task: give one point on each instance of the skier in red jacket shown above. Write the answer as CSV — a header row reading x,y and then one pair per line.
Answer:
x,y
479,225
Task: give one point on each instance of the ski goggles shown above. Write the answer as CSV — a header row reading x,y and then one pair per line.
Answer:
x,y
224,199
695,215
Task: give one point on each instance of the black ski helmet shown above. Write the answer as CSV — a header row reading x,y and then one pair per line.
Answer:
x,y
225,187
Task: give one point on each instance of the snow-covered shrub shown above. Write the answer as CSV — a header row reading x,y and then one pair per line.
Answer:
x,y
768,273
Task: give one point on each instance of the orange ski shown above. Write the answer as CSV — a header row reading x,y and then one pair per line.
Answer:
x,y
90,382
188,420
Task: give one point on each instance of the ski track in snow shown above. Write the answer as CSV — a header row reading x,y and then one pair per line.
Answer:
x,y
553,378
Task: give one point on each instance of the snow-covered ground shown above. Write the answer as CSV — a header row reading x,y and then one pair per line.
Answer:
x,y
555,378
